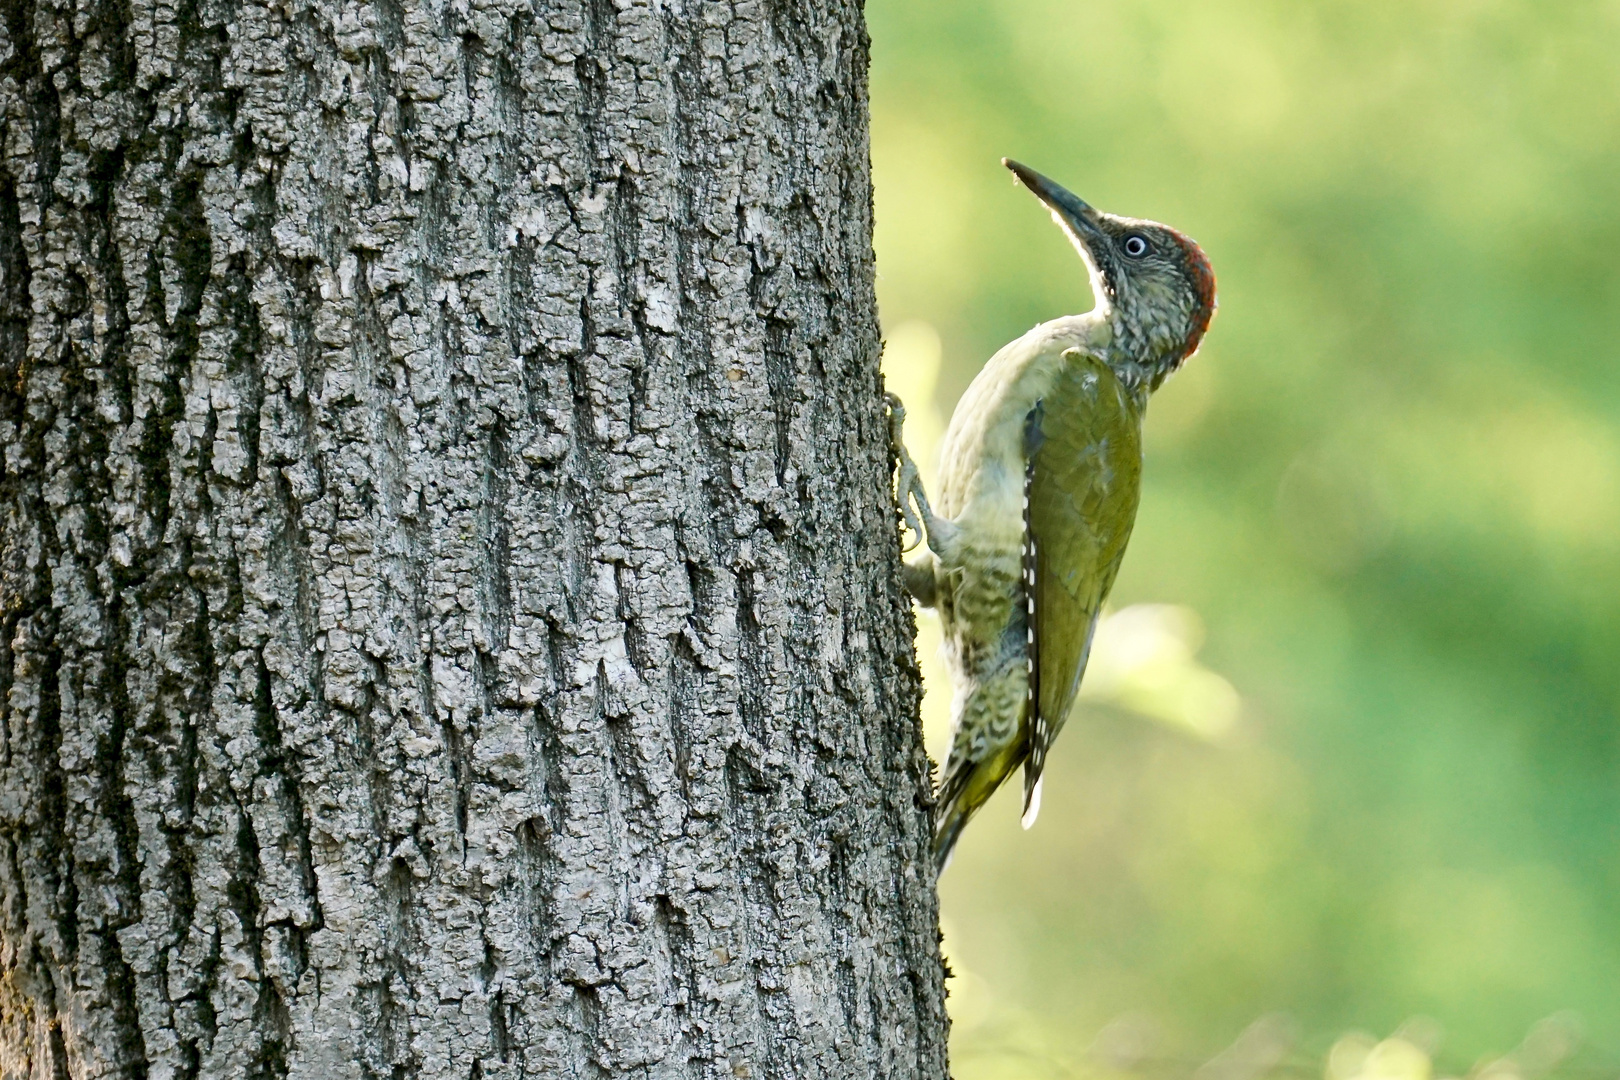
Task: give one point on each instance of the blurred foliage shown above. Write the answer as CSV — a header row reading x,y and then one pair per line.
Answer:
x,y
1381,522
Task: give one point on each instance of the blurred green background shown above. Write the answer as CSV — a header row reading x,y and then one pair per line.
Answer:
x,y
1350,752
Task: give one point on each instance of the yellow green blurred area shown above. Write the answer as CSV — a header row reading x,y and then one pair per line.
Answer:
x,y
1351,754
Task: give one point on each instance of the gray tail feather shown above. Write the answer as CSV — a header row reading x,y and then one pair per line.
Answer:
x,y
968,786
945,836
952,812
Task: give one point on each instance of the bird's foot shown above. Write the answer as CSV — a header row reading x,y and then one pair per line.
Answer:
x,y
937,532
908,487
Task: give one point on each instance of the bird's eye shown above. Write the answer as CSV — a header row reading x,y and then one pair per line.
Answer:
x,y
1135,245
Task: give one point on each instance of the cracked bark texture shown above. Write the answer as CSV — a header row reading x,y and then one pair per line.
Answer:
x,y
451,616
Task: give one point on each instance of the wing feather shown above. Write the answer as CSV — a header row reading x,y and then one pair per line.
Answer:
x,y
1083,445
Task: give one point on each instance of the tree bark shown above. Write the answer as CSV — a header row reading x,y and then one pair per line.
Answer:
x,y
452,622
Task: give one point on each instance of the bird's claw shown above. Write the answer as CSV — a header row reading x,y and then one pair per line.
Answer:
x,y
908,486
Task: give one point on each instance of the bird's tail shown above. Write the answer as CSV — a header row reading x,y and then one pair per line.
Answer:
x,y
967,786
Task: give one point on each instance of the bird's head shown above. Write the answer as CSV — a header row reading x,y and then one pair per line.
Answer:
x,y
1155,286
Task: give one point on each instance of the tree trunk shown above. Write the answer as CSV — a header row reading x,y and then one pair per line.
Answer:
x,y
452,620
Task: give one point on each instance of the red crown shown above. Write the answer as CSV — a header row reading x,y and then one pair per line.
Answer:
x,y
1203,279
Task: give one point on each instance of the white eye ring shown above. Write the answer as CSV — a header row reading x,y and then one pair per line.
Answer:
x,y
1135,245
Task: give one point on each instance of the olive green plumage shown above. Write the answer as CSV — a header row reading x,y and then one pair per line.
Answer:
x,y
1039,483
1086,481
1082,443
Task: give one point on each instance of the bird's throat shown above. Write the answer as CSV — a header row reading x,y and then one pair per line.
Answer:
x,y
1142,352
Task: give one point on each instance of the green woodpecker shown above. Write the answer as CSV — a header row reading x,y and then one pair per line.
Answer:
x,y
1040,474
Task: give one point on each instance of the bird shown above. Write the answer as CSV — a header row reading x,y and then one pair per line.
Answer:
x,y
1039,482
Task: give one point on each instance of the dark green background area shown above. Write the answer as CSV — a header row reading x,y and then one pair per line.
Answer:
x,y
1389,484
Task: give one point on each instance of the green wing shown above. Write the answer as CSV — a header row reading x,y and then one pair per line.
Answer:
x,y
1083,443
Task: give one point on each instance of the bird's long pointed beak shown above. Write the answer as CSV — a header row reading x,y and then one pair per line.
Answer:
x,y
1076,216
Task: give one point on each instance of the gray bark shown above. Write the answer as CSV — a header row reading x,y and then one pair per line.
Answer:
x,y
452,622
